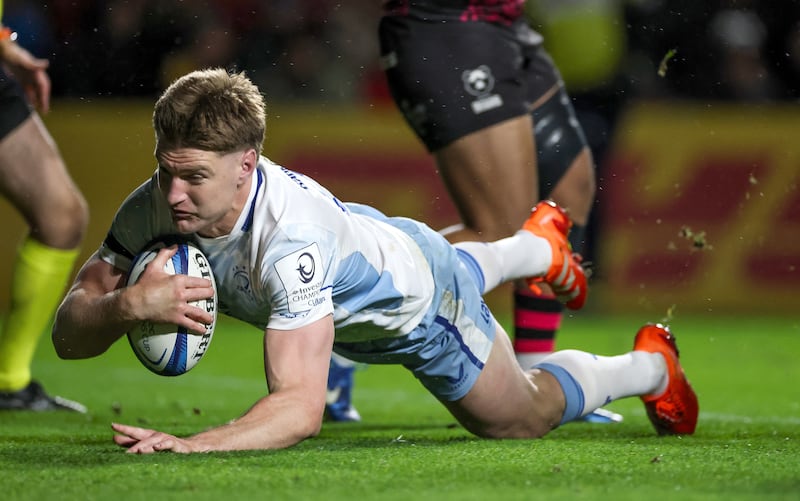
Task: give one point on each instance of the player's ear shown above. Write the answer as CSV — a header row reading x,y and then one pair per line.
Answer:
x,y
249,162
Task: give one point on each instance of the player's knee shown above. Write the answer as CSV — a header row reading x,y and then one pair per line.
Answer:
x,y
525,428
528,430
65,226
76,221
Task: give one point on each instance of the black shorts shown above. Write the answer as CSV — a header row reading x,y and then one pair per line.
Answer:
x,y
450,79
453,78
14,109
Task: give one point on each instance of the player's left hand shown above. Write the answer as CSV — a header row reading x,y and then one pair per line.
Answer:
x,y
145,441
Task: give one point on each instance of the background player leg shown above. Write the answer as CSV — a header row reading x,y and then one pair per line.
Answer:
x,y
339,399
35,180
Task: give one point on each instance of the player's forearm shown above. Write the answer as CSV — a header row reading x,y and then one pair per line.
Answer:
x,y
87,324
274,422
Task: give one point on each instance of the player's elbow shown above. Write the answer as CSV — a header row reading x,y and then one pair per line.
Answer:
x,y
70,345
309,423
302,427
63,347
312,426
61,341
62,335
311,431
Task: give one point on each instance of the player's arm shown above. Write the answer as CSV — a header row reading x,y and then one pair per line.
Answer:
x,y
296,364
99,308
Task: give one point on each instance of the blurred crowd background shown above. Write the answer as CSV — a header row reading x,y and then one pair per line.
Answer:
x,y
326,50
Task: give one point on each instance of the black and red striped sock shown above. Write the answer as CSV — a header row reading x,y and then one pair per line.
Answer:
x,y
536,321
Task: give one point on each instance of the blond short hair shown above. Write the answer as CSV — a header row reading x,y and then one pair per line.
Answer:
x,y
211,110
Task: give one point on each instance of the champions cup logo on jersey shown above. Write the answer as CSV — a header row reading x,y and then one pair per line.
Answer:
x,y
302,283
306,267
479,82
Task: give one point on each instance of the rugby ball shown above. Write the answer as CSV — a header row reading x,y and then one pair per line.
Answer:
x,y
169,349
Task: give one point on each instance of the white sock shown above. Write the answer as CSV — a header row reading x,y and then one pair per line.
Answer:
x,y
522,255
526,360
591,381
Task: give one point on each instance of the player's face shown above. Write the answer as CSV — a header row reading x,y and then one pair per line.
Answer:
x,y
205,190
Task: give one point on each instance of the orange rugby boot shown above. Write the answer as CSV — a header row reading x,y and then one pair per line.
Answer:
x,y
673,412
566,276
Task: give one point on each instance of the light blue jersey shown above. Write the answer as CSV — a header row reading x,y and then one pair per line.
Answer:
x,y
396,289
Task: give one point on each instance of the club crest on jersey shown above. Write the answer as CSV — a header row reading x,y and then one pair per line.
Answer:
x,y
301,276
479,82
242,280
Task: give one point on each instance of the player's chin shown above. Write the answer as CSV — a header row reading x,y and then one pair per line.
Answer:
x,y
187,225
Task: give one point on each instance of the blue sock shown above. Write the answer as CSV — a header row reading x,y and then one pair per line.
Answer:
x,y
573,393
474,268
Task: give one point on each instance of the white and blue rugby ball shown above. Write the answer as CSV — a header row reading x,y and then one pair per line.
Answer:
x,y
169,349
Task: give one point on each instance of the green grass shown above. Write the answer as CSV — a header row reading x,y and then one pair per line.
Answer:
x,y
747,446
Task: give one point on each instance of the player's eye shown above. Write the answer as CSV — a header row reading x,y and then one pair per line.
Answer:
x,y
164,177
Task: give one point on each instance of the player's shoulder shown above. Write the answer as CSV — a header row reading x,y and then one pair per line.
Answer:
x,y
294,197
145,190
143,201
280,176
142,216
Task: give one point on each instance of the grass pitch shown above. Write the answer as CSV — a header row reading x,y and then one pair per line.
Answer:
x,y
747,446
